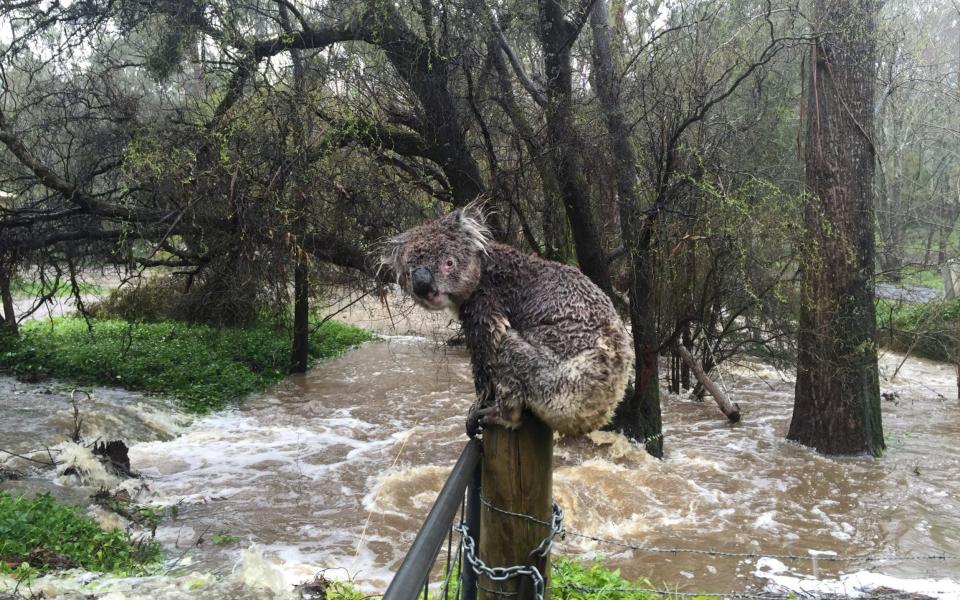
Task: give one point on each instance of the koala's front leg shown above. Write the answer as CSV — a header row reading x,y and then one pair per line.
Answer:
x,y
529,373
491,408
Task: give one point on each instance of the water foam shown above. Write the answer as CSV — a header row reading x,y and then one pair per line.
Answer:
x,y
861,584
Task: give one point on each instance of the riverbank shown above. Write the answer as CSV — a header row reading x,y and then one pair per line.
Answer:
x,y
204,367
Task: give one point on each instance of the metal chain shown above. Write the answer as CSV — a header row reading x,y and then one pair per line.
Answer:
x,y
468,545
498,573
555,524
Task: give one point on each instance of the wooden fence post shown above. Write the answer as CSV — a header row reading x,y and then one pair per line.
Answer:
x,y
517,476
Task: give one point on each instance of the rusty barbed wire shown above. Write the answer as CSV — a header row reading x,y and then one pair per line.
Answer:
x,y
827,556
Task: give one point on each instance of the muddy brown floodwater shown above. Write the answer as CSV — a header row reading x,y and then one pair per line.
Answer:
x,y
337,468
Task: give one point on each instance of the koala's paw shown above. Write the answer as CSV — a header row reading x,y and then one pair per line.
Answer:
x,y
476,418
479,419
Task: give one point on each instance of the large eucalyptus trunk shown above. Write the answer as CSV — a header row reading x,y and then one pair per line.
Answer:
x,y
837,406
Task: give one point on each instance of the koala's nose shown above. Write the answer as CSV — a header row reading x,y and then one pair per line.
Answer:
x,y
422,280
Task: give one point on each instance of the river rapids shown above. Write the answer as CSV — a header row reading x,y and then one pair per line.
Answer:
x,y
333,472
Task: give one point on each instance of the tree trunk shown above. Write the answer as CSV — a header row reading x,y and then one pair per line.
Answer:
x,y
638,416
556,33
687,342
9,320
301,318
300,353
837,404
729,409
553,221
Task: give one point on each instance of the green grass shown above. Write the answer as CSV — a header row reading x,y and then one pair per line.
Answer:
x,y
571,579
204,367
38,535
931,278
930,329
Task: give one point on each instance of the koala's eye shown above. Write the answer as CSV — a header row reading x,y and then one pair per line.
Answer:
x,y
449,264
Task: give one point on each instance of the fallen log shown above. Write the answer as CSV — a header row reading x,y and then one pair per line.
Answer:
x,y
731,410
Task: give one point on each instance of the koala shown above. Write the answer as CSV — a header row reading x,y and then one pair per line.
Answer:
x,y
541,335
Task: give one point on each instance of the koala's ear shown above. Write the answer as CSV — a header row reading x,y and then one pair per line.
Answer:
x,y
475,210
472,221
391,251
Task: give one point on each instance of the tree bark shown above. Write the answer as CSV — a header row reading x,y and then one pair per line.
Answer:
x,y
301,318
729,409
9,320
557,35
837,404
553,221
300,353
638,416
687,342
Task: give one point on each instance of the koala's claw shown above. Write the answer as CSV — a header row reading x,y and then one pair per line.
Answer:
x,y
480,418
499,328
475,420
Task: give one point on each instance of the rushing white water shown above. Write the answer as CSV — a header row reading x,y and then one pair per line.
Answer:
x,y
334,471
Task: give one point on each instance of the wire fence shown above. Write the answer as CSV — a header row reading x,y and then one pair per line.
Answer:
x,y
827,556
463,572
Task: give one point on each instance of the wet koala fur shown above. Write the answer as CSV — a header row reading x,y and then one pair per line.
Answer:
x,y
541,335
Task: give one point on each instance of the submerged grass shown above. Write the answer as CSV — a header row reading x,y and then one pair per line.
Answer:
x,y
38,535
204,367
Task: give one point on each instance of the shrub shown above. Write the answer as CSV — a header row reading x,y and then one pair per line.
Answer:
x,y
929,329
151,300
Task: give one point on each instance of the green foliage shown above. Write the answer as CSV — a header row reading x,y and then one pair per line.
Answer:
x,y
343,590
738,291
205,367
39,535
224,539
930,329
931,278
573,581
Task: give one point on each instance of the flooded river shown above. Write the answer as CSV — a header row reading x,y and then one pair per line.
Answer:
x,y
336,470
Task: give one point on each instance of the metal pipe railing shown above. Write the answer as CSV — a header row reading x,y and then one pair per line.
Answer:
x,y
468,577
415,568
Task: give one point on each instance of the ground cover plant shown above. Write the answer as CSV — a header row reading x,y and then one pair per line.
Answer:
x,y
204,367
39,535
